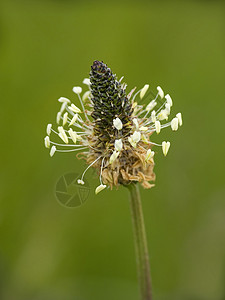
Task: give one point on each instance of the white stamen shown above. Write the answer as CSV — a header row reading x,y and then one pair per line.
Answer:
x,y
47,142
86,81
73,135
179,116
74,108
135,121
144,90
174,124
74,119
144,139
117,124
149,155
86,95
62,134
65,118
113,157
118,145
64,100
52,151
48,130
157,127
100,188
77,90
169,100
165,147
80,181
151,105
130,140
160,91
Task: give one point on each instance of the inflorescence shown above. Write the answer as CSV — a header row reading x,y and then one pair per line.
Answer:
x,y
111,130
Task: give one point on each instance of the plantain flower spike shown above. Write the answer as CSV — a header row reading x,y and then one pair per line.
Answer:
x,y
112,132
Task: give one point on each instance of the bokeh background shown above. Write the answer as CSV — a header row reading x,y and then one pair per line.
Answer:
x,y
51,252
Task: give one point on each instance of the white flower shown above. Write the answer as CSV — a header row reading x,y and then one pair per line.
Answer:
x,y
144,90
49,128
73,120
74,108
174,124
179,116
52,151
169,100
157,127
47,142
100,188
64,100
160,92
117,124
149,155
80,181
77,90
86,81
118,145
165,147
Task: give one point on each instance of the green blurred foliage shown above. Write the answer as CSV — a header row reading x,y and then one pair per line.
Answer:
x,y
49,252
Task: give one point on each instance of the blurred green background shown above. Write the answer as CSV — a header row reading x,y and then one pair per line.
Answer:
x,y
50,252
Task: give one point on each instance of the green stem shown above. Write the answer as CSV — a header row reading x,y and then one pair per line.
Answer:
x,y
140,241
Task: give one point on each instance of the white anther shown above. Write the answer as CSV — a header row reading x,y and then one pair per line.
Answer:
x,y
144,90
80,181
163,115
48,130
179,116
58,117
73,135
100,188
169,100
52,151
86,81
136,136
160,92
165,147
174,124
151,105
62,135
65,118
73,120
47,142
143,128
74,108
77,90
157,127
117,124
86,95
64,100
153,116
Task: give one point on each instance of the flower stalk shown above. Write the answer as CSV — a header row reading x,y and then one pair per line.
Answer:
x,y
140,240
